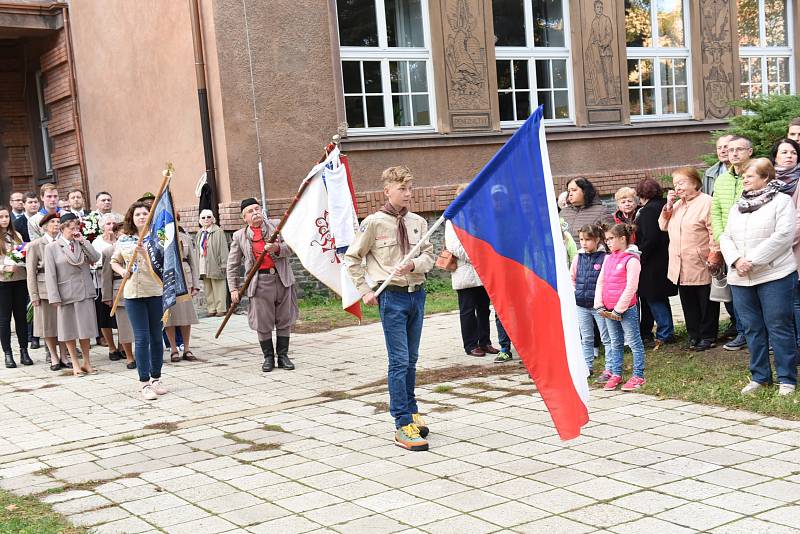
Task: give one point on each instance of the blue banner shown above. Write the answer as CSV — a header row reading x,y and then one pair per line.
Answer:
x,y
163,248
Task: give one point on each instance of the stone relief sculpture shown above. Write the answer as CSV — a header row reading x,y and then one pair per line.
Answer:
x,y
465,59
602,79
717,60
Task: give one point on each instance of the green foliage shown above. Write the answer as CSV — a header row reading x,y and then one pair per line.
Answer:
x,y
764,120
26,515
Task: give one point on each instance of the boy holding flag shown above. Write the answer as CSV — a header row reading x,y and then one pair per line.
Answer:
x,y
384,240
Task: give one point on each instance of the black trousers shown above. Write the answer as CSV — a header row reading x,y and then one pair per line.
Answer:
x,y
13,301
646,321
473,306
700,313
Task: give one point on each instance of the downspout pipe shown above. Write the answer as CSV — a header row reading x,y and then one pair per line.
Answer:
x,y
76,112
202,97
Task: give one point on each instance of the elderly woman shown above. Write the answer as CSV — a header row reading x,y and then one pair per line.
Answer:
x,y
45,314
654,286
583,207
13,292
183,315
693,254
784,157
68,276
212,251
105,322
756,245
109,286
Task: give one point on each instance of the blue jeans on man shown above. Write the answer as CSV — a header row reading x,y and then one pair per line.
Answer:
x,y
145,315
502,336
622,332
401,317
767,317
661,311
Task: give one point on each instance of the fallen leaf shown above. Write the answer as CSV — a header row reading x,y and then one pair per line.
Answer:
x,y
11,507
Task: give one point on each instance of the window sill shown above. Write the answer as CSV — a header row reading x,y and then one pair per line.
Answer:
x,y
554,133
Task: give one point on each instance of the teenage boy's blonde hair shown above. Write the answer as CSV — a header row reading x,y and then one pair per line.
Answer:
x,y
396,175
625,192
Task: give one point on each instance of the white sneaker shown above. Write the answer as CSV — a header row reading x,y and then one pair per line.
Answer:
x,y
158,387
786,389
751,388
148,394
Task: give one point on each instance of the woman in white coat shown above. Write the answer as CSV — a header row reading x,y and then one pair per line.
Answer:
x,y
757,246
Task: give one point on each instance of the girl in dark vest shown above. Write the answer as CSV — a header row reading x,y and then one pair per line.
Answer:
x,y
615,299
585,272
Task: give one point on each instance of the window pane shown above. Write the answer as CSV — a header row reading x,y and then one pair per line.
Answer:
x,y
755,70
419,76
666,72
546,99
404,23
666,101
399,76
357,23
422,115
543,74
680,71
633,72
669,14
351,76
646,67
503,74
649,101
372,77
775,22
548,23
744,68
560,73
506,106
747,17
561,101
521,74
638,26
681,100
523,99
354,111
636,103
401,106
375,118
509,22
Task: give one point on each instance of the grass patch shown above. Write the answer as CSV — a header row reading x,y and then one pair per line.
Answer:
x,y
441,388
322,313
26,515
274,428
126,438
166,427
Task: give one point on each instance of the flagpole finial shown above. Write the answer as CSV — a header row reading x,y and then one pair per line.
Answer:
x,y
169,170
336,139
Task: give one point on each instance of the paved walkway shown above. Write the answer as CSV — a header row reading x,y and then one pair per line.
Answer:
x,y
232,449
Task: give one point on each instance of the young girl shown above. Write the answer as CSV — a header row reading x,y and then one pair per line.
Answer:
x,y
585,272
615,299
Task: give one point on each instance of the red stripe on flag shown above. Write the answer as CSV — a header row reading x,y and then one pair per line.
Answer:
x,y
530,311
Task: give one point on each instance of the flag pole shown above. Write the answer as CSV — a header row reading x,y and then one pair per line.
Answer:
x,y
412,252
167,176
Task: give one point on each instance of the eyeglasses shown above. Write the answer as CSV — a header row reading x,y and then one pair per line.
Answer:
x,y
206,217
739,149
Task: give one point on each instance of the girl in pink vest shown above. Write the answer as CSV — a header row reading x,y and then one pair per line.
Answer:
x,y
615,299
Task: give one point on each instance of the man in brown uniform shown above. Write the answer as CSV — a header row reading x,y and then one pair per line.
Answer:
x,y
272,294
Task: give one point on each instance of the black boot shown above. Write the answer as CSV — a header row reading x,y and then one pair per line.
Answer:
x,y
269,355
10,363
24,357
35,344
283,353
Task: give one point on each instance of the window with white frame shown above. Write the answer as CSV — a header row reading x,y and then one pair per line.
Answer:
x,y
532,51
765,51
656,35
386,65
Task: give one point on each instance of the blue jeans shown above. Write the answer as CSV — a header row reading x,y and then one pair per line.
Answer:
x,y
587,318
797,312
662,314
145,315
731,309
502,336
401,318
767,317
621,331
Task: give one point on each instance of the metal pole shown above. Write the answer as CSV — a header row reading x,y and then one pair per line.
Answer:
x,y
261,182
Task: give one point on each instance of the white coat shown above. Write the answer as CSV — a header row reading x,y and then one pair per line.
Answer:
x,y
465,275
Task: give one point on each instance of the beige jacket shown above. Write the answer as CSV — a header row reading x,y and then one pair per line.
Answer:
x,y
242,250
214,263
191,271
109,280
67,283
34,263
691,239
377,243
143,281
19,269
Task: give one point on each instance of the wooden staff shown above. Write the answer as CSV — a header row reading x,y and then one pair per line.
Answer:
x,y
167,174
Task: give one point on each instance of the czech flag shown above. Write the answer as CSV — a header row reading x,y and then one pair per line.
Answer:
x,y
508,224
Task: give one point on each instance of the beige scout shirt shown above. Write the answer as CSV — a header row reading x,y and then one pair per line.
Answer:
x,y
377,243
143,281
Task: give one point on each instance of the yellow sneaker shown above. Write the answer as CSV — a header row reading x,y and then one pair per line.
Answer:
x,y
408,437
420,423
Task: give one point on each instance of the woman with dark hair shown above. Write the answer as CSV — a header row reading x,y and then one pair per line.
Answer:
x,y
583,207
13,291
142,299
784,157
654,286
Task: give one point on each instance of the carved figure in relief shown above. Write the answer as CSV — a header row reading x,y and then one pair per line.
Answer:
x,y
601,79
464,55
718,76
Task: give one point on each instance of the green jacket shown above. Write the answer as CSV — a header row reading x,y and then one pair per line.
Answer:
x,y
727,190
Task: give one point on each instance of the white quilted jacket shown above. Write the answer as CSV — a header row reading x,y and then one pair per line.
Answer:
x,y
464,276
763,237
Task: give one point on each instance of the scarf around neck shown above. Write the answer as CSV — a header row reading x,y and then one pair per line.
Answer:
x,y
788,177
402,231
751,201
